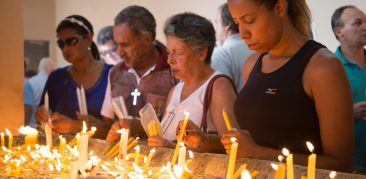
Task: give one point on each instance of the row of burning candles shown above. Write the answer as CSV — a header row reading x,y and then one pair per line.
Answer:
x,y
81,140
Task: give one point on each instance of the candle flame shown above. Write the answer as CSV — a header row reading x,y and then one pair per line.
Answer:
x,y
145,159
181,144
2,134
285,152
190,153
121,131
332,174
149,172
233,139
84,127
186,114
310,146
152,150
93,129
137,147
245,174
280,158
7,131
60,137
274,166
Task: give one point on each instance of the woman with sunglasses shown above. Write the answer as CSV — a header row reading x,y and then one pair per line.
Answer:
x,y
75,34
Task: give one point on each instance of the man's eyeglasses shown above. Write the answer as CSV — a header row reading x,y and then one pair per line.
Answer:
x,y
108,52
68,41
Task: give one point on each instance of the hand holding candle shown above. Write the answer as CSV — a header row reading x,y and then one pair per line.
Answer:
x,y
180,138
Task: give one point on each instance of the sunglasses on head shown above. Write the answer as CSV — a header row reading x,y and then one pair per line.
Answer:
x,y
71,41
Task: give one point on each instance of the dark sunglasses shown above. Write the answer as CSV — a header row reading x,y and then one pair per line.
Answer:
x,y
69,42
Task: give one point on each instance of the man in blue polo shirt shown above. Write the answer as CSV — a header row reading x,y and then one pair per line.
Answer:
x,y
349,27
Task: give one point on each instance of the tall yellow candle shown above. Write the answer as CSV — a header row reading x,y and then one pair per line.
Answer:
x,y
311,161
10,139
137,155
289,163
227,120
180,138
232,158
2,139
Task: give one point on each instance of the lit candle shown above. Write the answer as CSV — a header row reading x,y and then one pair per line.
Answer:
x,y
2,140
182,155
137,155
46,102
91,132
123,144
332,174
232,159
149,157
239,171
245,174
62,146
10,139
280,174
48,130
227,120
289,163
83,149
311,161
180,138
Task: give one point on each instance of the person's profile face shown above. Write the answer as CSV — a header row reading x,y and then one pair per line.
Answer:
x,y
181,57
130,46
108,52
353,30
259,27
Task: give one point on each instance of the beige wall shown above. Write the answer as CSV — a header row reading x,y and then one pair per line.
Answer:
x,y
40,21
11,65
322,11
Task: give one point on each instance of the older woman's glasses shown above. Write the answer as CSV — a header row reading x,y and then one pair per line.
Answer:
x,y
68,41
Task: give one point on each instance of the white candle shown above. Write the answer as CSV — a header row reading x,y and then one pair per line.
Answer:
x,y
123,106
83,150
148,160
182,155
80,103
46,102
123,144
83,98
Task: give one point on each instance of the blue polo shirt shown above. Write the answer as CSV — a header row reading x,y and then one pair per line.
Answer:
x,y
357,79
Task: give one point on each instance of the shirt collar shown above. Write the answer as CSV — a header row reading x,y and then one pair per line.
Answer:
x,y
342,58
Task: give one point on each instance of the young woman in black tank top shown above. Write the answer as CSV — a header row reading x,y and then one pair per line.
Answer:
x,y
295,91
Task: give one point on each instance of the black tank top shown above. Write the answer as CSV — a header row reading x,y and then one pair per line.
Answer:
x,y
276,110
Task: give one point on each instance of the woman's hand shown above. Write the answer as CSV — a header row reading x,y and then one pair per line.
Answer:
x,y
113,135
158,141
42,115
64,125
246,144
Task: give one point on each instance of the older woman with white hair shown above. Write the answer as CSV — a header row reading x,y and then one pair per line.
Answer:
x,y
190,42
